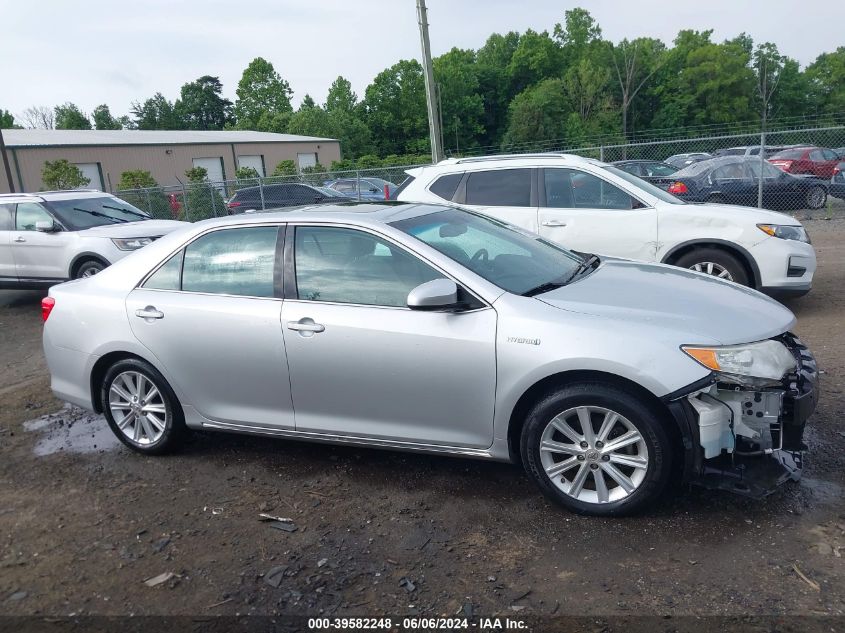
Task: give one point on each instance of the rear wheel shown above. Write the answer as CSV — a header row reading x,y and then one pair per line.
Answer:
x,y
596,449
716,262
88,268
141,408
716,199
815,197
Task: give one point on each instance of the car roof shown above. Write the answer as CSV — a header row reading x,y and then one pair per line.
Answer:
x,y
636,160
69,194
352,211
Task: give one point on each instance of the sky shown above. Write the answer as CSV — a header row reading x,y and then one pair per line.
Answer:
x,y
117,52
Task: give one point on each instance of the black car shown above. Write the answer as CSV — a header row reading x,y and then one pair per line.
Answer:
x,y
291,194
733,180
654,171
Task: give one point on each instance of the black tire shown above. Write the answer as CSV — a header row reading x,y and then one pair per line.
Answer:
x,y
716,199
88,268
705,255
816,197
174,432
647,422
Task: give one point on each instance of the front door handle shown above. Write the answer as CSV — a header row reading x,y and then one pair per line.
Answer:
x,y
150,312
20,238
306,326
553,223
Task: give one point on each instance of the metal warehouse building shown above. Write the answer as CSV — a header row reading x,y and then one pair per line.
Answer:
x,y
103,155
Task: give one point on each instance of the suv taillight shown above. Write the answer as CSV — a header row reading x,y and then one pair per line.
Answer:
x,y
677,187
47,305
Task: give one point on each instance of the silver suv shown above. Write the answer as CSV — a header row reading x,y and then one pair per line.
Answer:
x,y
427,328
53,236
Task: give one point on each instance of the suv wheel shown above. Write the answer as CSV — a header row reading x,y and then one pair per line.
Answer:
x,y
596,449
141,408
716,262
815,197
89,268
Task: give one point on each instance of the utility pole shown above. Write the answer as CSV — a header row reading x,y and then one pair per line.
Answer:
x,y
762,134
430,98
6,165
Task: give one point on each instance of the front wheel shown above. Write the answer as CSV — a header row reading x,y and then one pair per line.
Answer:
x,y
596,449
89,268
715,262
141,408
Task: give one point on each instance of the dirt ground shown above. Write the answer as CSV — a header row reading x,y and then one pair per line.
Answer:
x,y
84,522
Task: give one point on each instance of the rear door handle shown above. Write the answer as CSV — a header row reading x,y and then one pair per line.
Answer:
x,y
149,312
306,326
20,239
553,223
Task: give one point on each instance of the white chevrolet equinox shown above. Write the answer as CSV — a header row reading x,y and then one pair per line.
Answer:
x,y
53,236
591,207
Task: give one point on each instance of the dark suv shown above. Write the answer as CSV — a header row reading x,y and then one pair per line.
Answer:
x,y
281,195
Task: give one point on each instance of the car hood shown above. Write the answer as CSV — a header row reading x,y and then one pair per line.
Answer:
x,y
733,212
142,228
667,297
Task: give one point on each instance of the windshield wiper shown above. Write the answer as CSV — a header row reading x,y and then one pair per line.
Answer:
x,y
130,211
584,266
101,215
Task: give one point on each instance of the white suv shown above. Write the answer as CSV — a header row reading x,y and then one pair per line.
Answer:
x,y
53,236
591,207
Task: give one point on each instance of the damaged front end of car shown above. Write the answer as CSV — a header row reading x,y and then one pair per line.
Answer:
x,y
743,425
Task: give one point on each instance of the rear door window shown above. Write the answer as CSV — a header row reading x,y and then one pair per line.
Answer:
x,y
500,188
232,261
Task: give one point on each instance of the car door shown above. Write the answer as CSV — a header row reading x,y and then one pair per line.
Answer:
x,y
734,183
589,214
7,260
363,364
211,316
39,254
825,163
507,194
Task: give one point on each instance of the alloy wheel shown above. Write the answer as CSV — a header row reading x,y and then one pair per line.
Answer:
x,y
712,268
594,454
138,407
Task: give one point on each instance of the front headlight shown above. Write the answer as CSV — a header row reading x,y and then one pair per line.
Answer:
x,y
766,359
132,243
785,232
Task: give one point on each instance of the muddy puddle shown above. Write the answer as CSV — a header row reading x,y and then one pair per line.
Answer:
x,y
72,430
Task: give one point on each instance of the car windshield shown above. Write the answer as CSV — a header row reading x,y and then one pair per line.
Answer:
x,y
516,261
84,213
641,184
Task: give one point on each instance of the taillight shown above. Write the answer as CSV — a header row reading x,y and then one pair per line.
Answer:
x,y
677,187
232,205
782,164
47,305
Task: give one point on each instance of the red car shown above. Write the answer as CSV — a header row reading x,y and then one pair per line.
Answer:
x,y
817,161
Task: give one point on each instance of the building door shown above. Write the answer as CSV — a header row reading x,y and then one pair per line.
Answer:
x,y
256,162
93,173
306,160
214,167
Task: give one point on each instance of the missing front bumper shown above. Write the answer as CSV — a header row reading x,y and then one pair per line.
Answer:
x,y
755,477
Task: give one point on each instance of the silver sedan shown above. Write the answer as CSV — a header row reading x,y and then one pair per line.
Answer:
x,y
428,328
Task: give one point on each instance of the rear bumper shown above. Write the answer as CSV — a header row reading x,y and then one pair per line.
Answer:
x,y
755,473
68,369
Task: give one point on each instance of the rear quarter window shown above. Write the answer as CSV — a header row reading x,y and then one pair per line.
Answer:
x,y
445,186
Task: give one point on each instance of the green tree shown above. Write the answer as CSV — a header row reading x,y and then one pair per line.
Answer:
x,y
136,179
61,174
262,95
204,199
201,105
246,177
69,117
720,83
7,120
462,107
826,78
537,57
492,62
285,168
635,64
578,34
103,119
395,109
341,98
139,188
345,119
537,114
156,113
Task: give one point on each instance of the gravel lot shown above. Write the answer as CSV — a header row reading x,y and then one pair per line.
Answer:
x,y
84,522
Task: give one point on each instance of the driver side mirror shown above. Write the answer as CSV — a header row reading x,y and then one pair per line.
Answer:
x,y
437,294
46,226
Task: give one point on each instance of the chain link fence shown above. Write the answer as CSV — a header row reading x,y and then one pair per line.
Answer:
x,y
800,170
198,201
